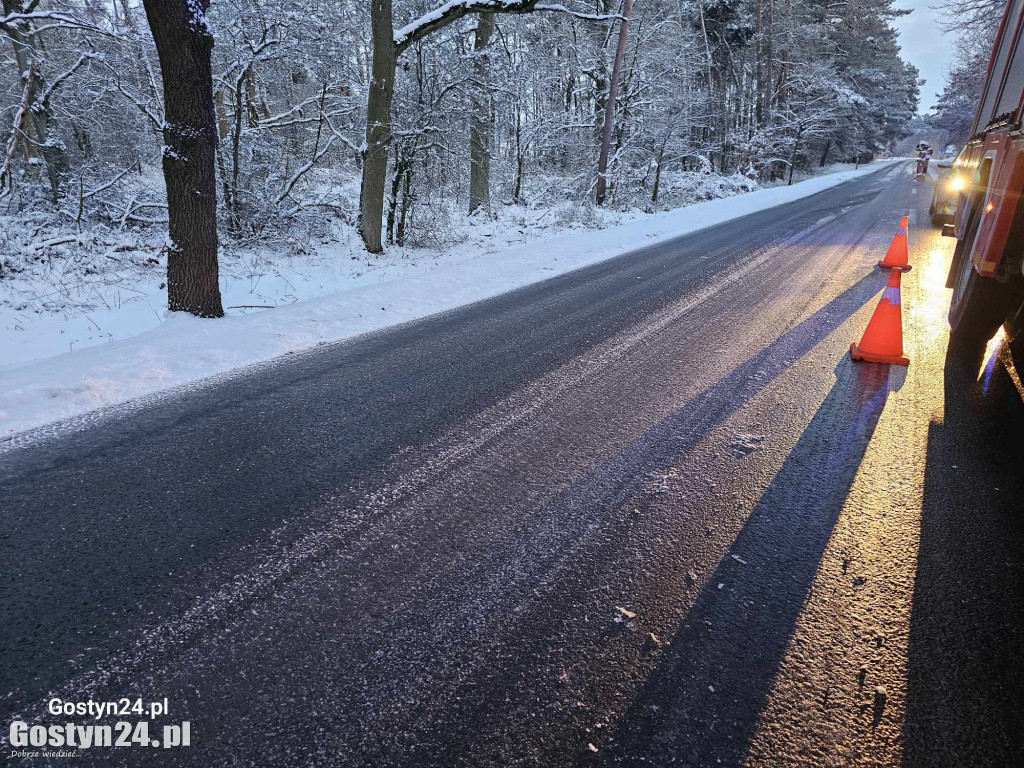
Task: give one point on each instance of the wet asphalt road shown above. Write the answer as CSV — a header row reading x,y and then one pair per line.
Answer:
x,y
647,513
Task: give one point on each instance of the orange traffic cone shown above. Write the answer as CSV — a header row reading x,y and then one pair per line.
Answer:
x,y
883,339
898,254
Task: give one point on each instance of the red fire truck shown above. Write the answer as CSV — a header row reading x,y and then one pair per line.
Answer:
x,y
986,272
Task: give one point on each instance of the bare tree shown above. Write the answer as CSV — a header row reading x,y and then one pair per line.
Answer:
x,y
609,109
378,125
35,124
184,42
480,118
386,51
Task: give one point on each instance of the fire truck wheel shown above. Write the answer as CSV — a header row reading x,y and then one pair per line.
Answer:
x,y
978,307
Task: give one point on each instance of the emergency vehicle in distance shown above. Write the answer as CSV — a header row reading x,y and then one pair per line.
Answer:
x,y
986,271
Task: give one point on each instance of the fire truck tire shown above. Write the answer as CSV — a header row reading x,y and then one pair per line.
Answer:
x,y
978,307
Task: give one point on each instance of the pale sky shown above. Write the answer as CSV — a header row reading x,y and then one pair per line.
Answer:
x,y
926,47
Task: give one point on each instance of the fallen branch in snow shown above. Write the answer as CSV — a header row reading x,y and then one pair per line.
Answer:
x,y
56,241
147,220
127,210
131,208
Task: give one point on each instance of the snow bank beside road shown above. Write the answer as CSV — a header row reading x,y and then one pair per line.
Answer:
x,y
186,349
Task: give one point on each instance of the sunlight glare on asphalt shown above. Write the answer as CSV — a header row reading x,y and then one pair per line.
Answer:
x,y
933,296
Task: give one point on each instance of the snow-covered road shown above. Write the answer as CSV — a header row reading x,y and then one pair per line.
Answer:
x,y
136,349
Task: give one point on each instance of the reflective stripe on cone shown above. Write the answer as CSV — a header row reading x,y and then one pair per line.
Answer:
x,y
898,255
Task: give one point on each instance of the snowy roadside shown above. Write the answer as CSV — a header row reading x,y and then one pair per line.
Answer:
x,y
185,349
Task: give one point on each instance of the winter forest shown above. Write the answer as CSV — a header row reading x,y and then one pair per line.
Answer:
x,y
164,135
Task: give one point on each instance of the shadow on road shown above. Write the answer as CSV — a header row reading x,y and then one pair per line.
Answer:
x,y
965,687
458,609
511,567
701,705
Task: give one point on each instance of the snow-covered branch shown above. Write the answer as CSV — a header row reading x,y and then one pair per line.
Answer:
x,y
45,20
60,79
356,149
290,184
454,10
153,117
558,8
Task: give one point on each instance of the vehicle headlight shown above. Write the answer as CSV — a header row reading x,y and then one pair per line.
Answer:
x,y
957,183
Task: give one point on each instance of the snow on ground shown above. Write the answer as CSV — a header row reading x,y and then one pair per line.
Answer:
x,y
54,363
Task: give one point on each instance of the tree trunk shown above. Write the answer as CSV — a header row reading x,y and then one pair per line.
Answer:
x,y
396,188
661,158
796,148
252,111
824,152
599,37
223,132
83,139
480,119
58,168
38,120
769,61
236,147
609,109
378,126
183,44
759,74
657,179
517,191
129,20
407,201
20,118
